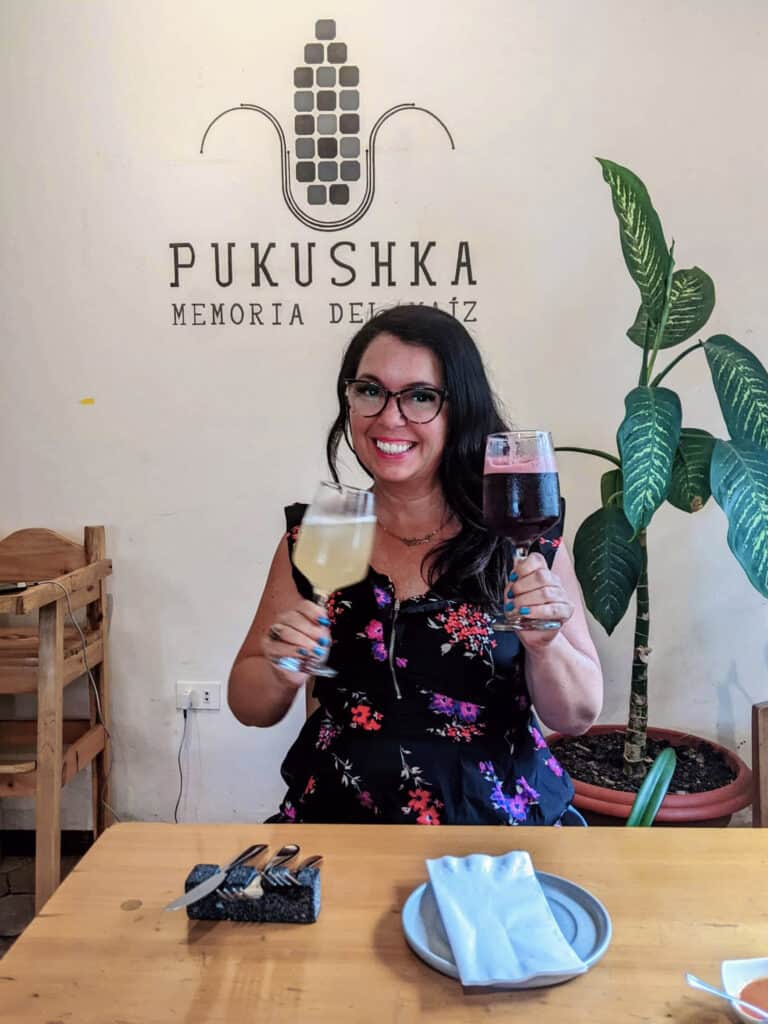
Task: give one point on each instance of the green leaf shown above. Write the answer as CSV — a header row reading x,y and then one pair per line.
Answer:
x,y
653,790
610,485
608,563
642,238
739,479
691,301
647,440
689,489
741,384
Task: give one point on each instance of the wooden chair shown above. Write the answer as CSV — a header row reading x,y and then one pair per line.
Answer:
x,y
39,756
760,764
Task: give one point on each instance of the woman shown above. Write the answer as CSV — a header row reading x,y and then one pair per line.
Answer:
x,y
429,719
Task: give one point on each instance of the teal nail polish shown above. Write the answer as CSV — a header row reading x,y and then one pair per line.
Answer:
x,y
512,577
324,641
302,652
525,611
509,606
324,621
318,652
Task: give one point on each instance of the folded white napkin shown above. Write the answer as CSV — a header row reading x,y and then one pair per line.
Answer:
x,y
498,921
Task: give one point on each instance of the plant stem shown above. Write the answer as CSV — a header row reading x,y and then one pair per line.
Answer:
x,y
660,376
664,313
644,368
590,451
637,725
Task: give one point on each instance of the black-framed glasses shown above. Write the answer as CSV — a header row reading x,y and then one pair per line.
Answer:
x,y
420,403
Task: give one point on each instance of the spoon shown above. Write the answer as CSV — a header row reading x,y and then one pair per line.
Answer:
x,y
694,982
284,876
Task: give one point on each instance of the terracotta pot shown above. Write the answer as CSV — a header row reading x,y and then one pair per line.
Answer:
x,y
605,806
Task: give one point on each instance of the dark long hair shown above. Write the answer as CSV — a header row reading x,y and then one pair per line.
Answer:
x,y
471,564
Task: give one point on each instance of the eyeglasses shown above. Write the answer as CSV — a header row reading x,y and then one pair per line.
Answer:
x,y
417,404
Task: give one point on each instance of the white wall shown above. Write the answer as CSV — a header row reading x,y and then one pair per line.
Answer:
x,y
198,435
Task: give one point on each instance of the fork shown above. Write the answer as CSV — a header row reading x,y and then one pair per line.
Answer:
x,y
290,876
253,890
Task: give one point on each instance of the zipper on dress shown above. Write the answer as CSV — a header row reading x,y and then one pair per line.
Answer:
x,y
396,609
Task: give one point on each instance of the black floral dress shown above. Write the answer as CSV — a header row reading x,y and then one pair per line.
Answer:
x,y
429,720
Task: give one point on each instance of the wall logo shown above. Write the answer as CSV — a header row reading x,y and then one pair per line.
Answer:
x,y
328,169
328,181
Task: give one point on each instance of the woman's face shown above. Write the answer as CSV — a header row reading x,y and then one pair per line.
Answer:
x,y
392,449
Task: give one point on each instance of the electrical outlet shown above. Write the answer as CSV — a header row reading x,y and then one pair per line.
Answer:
x,y
198,696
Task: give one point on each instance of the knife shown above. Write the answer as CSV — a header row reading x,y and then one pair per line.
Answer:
x,y
205,888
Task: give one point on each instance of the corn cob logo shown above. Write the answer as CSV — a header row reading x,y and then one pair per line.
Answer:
x,y
326,166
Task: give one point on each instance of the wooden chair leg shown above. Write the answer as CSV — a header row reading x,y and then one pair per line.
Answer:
x,y
760,764
95,549
100,787
50,695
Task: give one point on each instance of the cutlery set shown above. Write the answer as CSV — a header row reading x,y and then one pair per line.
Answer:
x,y
277,871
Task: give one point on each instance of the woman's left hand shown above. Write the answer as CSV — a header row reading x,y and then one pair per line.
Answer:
x,y
537,593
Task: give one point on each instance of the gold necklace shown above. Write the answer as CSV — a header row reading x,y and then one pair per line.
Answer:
x,y
413,542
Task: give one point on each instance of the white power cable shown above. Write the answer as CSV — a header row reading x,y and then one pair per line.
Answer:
x,y
185,709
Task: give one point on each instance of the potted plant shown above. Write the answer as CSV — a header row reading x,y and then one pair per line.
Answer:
x,y
657,460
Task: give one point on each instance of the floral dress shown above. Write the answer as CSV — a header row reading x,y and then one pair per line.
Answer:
x,y
429,720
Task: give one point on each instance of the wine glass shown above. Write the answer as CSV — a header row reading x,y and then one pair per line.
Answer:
x,y
521,500
334,545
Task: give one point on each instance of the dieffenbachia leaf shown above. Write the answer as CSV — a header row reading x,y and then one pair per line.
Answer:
x,y
741,384
608,562
691,301
739,479
647,440
689,489
642,237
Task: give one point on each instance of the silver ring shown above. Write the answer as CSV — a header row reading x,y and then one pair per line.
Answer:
x,y
275,632
287,664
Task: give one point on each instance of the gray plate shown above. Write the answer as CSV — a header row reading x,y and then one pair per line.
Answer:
x,y
582,919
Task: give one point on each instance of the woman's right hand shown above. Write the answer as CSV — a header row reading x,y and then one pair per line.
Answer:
x,y
297,637
262,685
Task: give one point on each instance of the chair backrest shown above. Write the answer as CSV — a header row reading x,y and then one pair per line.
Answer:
x,y
760,764
30,555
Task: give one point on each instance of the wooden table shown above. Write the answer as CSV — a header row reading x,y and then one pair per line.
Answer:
x,y
102,951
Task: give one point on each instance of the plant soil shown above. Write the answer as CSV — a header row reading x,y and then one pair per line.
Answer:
x,y
599,760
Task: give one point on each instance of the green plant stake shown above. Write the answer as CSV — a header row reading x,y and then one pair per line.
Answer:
x,y
653,790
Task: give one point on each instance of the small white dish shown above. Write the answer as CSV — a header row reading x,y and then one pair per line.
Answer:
x,y
738,973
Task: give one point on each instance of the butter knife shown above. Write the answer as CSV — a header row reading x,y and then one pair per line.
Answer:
x,y
198,892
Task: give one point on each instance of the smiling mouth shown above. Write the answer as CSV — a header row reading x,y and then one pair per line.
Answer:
x,y
394,447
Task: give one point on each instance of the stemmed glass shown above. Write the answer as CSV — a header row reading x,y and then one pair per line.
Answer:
x,y
334,546
521,500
